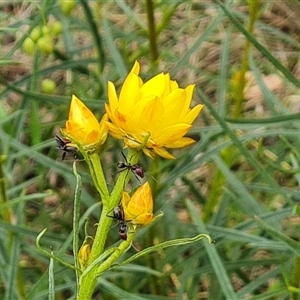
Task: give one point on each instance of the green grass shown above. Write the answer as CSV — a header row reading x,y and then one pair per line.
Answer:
x,y
239,182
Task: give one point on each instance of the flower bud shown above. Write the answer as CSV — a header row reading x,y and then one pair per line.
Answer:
x,y
138,209
83,255
28,46
48,86
67,6
35,33
56,28
83,126
45,44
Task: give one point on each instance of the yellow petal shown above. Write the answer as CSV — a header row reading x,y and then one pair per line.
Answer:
x,y
174,104
132,142
114,130
183,142
125,199
192,114
103,129
151,116
83,126
111,116
168,86
189,90
138,209
139,107
112,97
149,153
163,153
130,90
172,133
81,114
142,219
154,86
174,85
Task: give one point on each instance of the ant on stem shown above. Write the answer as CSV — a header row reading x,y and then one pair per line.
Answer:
x,y
66,146
136,169
118,214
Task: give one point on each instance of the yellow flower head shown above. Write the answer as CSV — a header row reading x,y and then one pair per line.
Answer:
x,y
154,115
83,126
139,208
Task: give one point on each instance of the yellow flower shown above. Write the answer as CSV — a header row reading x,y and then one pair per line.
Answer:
x,y
84,255
83,125
154,115
139,208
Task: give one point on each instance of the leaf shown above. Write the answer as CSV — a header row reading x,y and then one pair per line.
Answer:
x,y
51,295
167,244
76,218
217,264
37,242
291,244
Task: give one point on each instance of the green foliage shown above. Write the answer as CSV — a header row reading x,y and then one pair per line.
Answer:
x,y
239,182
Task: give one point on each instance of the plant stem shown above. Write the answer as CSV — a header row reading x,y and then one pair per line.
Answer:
x,y
239,93
98,44
98,177
152,31
5,212
113,258
296,279
88,282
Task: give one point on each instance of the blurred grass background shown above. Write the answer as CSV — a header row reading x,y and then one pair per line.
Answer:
x,y
239,182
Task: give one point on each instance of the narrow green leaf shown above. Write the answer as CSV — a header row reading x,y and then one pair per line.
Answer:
x,y
183,62
245,200
171,243
254,284
94,31
137,268
113,50
14,289
48,254
275,120
23,198
11,292
117,293
222,87
217,264
243,150
76,219
290,243
259,47
51,295
99,259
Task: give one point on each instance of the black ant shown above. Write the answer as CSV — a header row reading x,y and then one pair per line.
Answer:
x,y
135,169
66,146
118,214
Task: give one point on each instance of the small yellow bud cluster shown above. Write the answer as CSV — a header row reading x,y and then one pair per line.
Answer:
x,y
42,38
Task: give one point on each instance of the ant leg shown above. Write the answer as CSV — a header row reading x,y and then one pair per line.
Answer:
x,y
124,157
137,178
63,155
120,171
113,217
